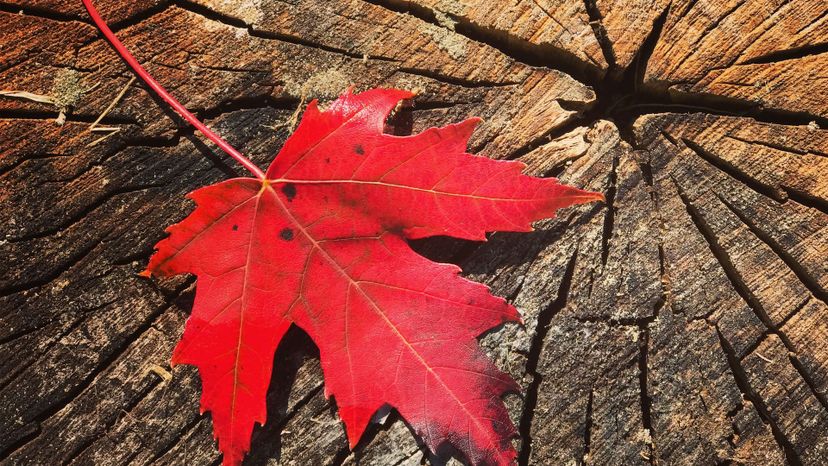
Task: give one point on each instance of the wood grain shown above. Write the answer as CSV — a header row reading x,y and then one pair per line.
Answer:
x,y
683,322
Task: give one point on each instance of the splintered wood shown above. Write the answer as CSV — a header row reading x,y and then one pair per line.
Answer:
x,y
683,322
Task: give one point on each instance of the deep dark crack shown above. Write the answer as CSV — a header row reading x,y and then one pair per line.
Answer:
x,y
541,330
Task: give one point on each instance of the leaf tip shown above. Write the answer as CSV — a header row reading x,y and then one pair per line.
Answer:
x,y
580,196
403,93
474,121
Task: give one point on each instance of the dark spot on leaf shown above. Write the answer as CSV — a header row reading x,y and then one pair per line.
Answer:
x,y
290,191
235,227
286,234
350,202
395,229
359,150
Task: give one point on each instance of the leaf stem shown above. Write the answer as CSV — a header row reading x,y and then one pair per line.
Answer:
x,y
175,104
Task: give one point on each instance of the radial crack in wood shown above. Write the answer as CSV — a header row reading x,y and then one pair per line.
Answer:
x,y
684,322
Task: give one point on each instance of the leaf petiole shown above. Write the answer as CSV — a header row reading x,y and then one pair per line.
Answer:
x,y
175,104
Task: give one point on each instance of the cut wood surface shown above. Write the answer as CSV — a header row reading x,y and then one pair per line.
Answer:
x,y
685,321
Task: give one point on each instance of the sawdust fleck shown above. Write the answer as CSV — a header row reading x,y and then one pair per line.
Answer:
x,y
324,85
248,11
445,39
445,20
67,88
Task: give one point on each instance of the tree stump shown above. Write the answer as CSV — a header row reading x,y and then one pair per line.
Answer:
x,y
683,322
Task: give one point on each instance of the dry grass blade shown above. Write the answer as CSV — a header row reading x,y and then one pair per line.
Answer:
x,y
43,99
112,104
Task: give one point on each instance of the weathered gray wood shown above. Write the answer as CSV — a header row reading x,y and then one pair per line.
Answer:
x,y
684,322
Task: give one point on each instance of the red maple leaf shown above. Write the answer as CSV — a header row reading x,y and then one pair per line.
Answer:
x,y
319,241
